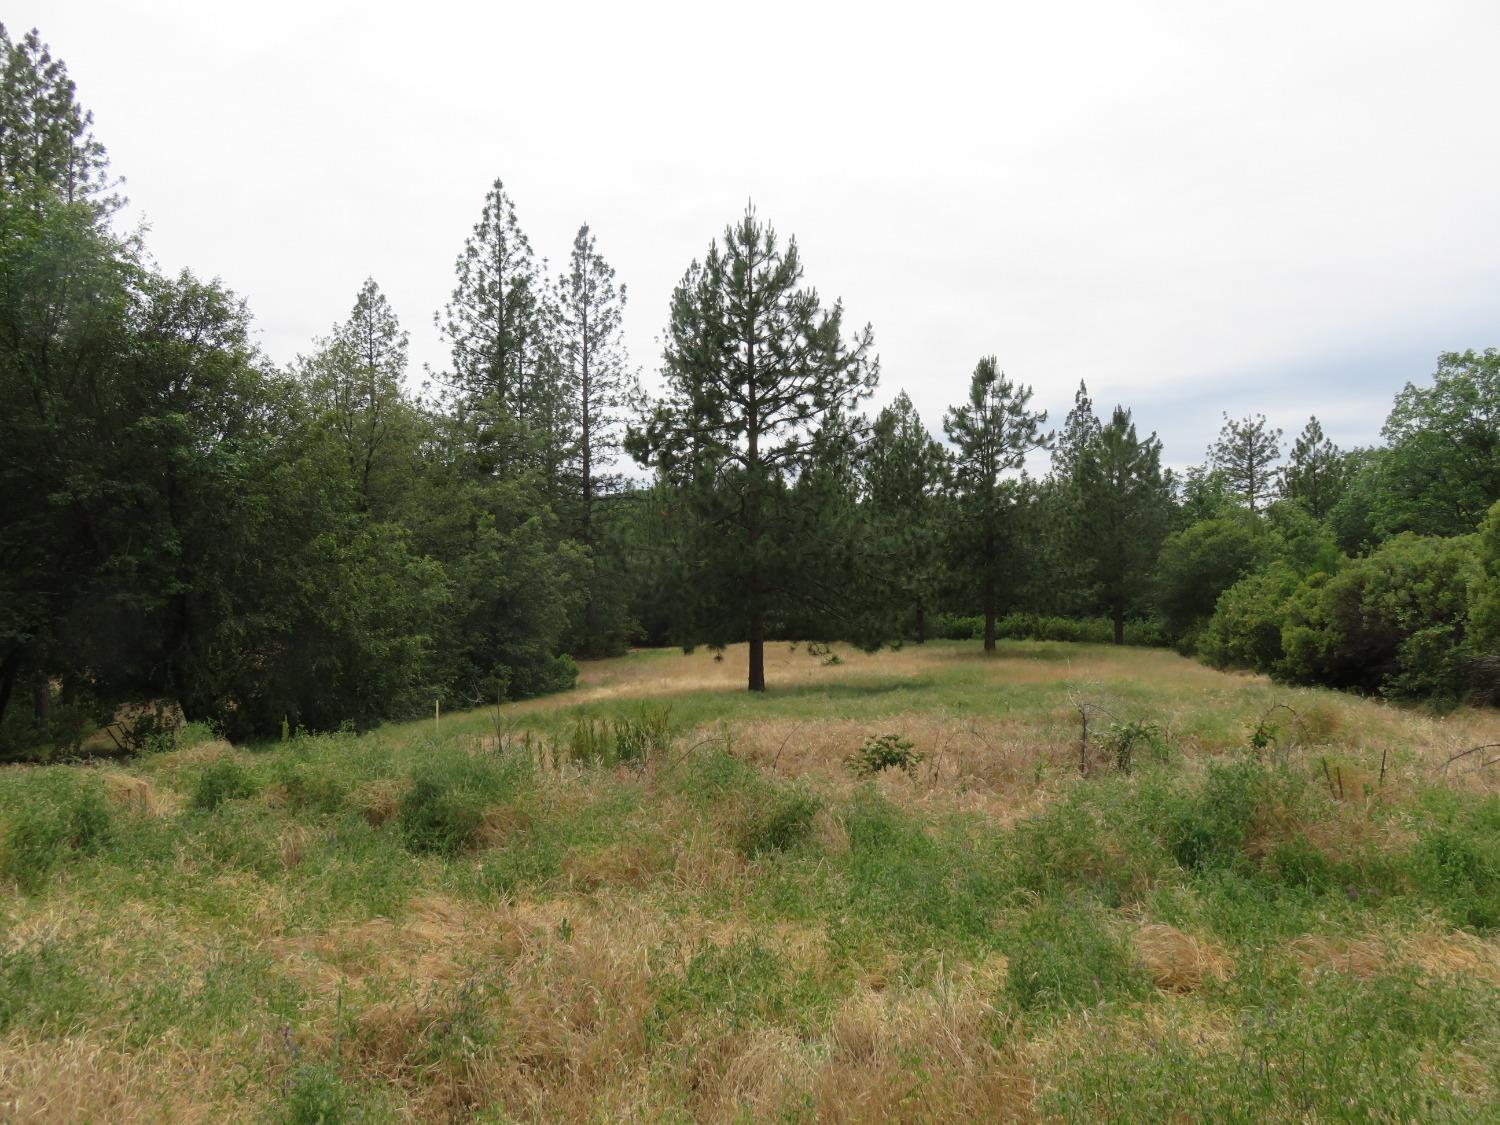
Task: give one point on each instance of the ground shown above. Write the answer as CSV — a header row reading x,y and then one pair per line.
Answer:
x,y
659,898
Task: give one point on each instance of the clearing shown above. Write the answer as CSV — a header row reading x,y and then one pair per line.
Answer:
x,y
657,897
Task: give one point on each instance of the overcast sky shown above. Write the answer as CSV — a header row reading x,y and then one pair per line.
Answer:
x,y
1196,207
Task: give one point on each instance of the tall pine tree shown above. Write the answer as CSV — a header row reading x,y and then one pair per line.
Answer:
x,y
754,367
993,431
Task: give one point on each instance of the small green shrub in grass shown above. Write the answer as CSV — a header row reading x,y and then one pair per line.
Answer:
x,y
883,752
223,780
61,814
1209,827
443,810
1062,956
781,820
315,1094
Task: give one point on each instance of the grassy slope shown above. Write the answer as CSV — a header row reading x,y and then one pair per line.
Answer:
x,y
429,922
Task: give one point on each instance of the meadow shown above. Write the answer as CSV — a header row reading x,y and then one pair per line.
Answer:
x,y
1067,883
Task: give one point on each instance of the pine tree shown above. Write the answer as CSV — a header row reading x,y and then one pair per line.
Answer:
x,y
1246,453
355,379
903,471
1318,471
600,387
499,326
1123,511
993,432
754,367
47,147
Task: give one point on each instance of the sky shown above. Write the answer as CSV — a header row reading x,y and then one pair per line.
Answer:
x,y
1197,207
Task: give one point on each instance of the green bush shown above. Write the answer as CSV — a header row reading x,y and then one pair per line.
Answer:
x,y
223,780
1245,630
443,809
1394,622
778,821
883,752
1208,827
1199,563
63,814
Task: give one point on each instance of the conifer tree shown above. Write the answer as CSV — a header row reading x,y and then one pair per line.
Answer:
x,y
1246,453
1318,471
1123,509
355,379
993,431
499,325
754,367
903,471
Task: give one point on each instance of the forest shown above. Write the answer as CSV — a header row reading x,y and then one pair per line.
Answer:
x,y
342,540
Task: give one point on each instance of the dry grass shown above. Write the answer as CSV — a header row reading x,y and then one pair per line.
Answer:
x,y
1179,962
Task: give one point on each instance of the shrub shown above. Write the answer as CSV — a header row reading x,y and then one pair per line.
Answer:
x,y
63,814
781,820
1209,827
883,752
1199,563
1245,630
224,780
1393,622
443,810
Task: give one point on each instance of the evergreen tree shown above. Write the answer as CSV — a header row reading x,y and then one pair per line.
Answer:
x,y
993,432
355,379
48,153
1317,473
1246,453
1123,513
593,362
903,471
754,366
498,325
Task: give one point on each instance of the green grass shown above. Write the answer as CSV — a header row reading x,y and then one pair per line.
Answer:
x,y
661,899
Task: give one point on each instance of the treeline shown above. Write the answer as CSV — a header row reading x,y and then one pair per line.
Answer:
x,y
317,545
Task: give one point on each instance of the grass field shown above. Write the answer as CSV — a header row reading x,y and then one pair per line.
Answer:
x,y
659,898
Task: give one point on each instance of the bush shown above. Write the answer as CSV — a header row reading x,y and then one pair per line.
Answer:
x,y
883,752
1393,622
1245,630
220,781
63,814
780,821
443,810
1199,563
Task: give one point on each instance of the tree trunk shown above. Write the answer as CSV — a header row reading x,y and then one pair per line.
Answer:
x,y
989,619
921,624
757,653
1117,611
9,667
41,698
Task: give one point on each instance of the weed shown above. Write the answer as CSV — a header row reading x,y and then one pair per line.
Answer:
x,y
883,752
221,781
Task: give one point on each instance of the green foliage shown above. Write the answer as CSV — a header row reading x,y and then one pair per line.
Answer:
x,y
1200,562
1245,454
781,819
1442,468
63,815
1393,622
226,779
883,752
1484,591
1245,630
1062,955
443,809
992,431
316,1094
